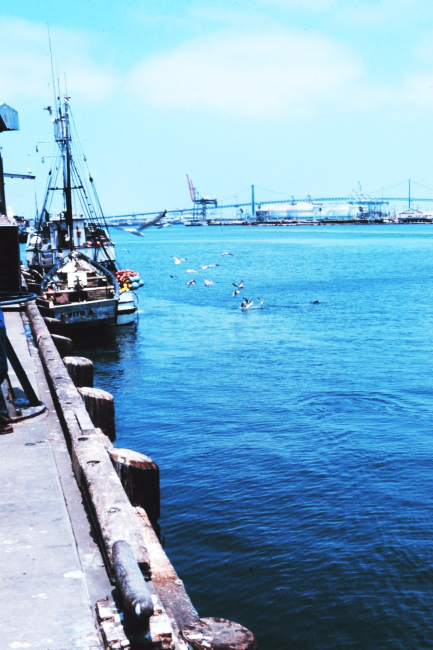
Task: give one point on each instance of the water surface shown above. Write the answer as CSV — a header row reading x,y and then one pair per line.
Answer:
x,y
294,442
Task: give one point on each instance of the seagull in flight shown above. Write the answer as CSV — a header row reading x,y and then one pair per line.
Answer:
x,y
240,285
236,291
178,260
192,281
225,253
152,222
134,231
208,282
207,266
191,271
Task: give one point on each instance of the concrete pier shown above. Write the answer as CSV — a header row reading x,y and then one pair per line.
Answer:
x,y
76,549
52,570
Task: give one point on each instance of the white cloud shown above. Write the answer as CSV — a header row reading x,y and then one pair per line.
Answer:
x,y
25,68
257,73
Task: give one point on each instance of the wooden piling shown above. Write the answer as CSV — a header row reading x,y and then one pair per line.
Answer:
x,y
139,476
100,406
218,634
55,326
63,344
80,371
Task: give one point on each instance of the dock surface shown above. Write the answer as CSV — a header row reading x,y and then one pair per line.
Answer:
x,y
52,570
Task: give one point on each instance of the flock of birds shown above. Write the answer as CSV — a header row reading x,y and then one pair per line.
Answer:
x,y
244,306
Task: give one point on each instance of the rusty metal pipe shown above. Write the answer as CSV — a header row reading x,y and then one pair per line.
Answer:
x,y
130,581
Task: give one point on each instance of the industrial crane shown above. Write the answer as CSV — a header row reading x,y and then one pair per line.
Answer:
x,y
201,203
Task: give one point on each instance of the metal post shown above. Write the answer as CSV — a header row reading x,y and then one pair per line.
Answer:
x,y
253,205
2,188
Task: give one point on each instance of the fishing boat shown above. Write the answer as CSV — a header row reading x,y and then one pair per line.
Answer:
x,y
79,293
72,221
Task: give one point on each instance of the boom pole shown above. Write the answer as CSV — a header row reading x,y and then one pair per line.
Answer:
x,y
67,177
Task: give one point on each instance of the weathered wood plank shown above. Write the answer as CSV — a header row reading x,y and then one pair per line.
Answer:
x,y
170,588
113,516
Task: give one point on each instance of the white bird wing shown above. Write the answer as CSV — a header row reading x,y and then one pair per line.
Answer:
x,y
134,231
154,221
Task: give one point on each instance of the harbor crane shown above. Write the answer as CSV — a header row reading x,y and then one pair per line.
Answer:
x,y
201,203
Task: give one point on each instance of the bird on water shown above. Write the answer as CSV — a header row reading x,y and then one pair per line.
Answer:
x,y
246,304
208,282
192,281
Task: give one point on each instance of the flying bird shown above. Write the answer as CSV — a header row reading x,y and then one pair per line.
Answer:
x,y
208,282
236,291
225,253
173,276
178,260
192,281
240,285
134,231
207,266
191,271
152,222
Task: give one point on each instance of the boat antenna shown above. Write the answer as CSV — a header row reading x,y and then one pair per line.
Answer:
x,y
52,69
36,207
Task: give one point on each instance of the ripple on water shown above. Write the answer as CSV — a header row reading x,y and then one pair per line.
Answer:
x,y
294,442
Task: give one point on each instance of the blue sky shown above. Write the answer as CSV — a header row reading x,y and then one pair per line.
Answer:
x,y
298,96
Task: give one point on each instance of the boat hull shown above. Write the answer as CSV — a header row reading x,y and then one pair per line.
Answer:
x,y
127,309
93,313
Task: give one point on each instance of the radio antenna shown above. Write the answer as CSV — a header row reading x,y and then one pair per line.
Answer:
x,y
52,70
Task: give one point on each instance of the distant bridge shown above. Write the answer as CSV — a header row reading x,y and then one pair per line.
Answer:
x,y
333,199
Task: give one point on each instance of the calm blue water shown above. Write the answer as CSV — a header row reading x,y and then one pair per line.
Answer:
x,y
295,443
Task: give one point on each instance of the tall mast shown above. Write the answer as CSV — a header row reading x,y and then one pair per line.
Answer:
x,y
67,178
